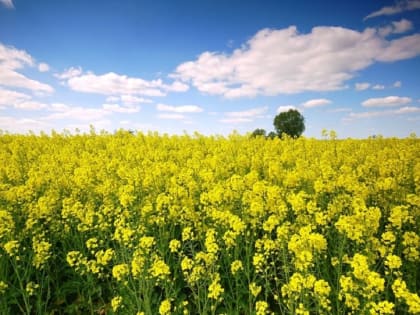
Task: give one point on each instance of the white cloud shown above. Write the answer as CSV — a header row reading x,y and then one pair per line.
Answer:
x,y
13,124
127,99
397,84
179,109
59,107
131,99
249,113
10,98
389,101
399,111
244,116
285,108
77,113
7,3
19,100
11,60
400,6
407,110
402,26
112,99
361,86
340,110
316,103
114,84
172,116
121,109
400,49
43,67
285,61
378,87
396,27
69,73
31,105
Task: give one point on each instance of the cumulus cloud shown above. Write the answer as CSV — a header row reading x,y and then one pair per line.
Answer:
x,y
316,103
179,109
361,86
118,85
285,108
12,60
7,3
389,101
69,73
276,61
400,6
19,100
397,27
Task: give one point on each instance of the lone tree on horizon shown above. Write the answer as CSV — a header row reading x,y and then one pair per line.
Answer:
x,y
291,123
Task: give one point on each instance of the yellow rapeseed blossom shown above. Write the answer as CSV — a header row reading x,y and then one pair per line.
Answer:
x,y
215,289
159,269
116,303
31,288
165,307
174,246
11,248
236,266
254,289
42,251
261,307
120,272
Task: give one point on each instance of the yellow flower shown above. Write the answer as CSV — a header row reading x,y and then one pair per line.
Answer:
x,y
254,289
393,262
261,307
116,303
120,272
42,253
165,307
103,258
159,269
174,246
11,248
31,287
382,308
215,289
236,266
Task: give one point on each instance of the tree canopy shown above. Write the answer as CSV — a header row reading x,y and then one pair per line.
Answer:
x,y
291,123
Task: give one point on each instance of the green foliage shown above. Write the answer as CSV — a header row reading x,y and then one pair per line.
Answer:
x,y
291,123
258,132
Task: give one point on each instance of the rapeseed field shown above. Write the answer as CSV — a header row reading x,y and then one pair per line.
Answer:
x,y
138,223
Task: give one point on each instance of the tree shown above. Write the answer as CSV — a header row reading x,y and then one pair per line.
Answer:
x,y
272,135
291,123
258,132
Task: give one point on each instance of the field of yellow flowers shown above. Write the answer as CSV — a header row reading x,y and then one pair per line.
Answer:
x,y
153,224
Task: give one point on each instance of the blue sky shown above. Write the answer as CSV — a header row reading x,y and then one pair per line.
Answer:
x,y
210,66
